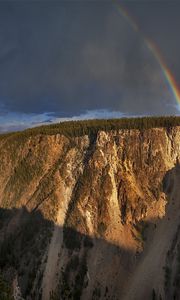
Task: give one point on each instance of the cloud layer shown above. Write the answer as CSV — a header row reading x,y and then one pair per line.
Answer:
x,y
15,122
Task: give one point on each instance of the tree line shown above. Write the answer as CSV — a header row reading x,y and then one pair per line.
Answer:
x,y
86,127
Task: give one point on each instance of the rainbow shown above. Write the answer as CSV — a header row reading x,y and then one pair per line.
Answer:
x,y
154,50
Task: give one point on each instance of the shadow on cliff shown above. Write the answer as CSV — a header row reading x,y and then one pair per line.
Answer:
x,y
24,240
171,178
24,237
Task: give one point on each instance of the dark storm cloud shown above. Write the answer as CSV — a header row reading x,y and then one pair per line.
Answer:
x,y
73,57
159,20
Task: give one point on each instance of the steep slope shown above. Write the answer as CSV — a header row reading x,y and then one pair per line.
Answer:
x,y
91,216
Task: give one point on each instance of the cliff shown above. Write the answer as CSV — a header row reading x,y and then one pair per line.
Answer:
x,y
91,216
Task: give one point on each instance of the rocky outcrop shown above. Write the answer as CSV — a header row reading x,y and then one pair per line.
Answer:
x,y
92,217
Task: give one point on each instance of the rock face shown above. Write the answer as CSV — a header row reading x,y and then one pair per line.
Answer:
x,y
91,217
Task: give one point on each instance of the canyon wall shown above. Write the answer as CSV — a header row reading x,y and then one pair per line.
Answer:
x,y
91,217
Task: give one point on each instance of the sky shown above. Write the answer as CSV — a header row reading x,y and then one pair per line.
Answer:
x,y
79,59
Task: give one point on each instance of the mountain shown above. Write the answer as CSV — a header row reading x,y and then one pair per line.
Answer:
x,y
91,210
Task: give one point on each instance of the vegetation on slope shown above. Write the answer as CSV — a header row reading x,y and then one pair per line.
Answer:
x,y
5,290
79,128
